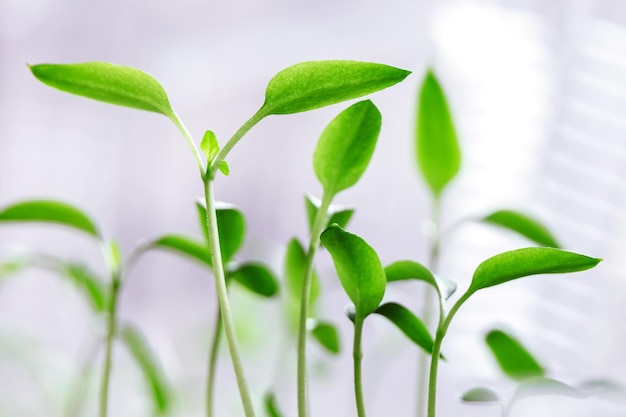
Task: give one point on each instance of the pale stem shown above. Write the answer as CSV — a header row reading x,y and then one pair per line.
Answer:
x,y
357,355
110,337
210,386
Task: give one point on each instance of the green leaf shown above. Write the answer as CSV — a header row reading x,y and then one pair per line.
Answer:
x,y
295,266
231,227
337,214
524,225
438,152
346,146
520,263
480,395
49,211
257,277
327,335
110,83
358,267
533,387
514,360
149,365
183,245
271,409
88,281
311,85
404,270
224,169
209,145
408,323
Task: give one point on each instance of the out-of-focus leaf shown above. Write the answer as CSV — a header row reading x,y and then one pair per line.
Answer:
x,y
295,265
480,395
110,83
408,323
50,211
271,408
184,245
524,225
149,365
327,335
520,263
337,214
346,147
311,85
533,387
514,359
231,226
257,277
358,267
438,151
87,280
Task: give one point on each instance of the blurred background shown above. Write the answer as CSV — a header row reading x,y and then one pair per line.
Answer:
x,y
537,90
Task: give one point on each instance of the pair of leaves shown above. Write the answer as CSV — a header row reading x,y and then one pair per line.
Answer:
x,y
211,148
50,211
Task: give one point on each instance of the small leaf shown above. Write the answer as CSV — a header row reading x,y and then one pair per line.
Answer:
x,y
295,264
257,278
404,270
311,85
346,146
358,267
438,152
524,225
183,245
209,145
408,323
231,227
110,83
224,169
49,211
327,335
538,386
337,214
88,281
149,365
520,263
270,405
514,360
480,395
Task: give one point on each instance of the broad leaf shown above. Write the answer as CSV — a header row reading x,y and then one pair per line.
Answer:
x,y
480,395
514,360
405,270
145,358
408,323
257,278
346,147
110,83
337,214
231,227
49,211
184,245
327,335
358,267
295,265
520,263
438,152
311,85
271,408
524,225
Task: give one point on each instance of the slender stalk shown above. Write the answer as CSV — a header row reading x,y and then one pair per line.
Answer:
x,y
428,305
110,337
305,300
222,296
357,355
192,145
77,397
442,329
215,165
210,386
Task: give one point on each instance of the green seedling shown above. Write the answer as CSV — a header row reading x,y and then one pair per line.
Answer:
x,y
103,297
299,88
254,276
530,377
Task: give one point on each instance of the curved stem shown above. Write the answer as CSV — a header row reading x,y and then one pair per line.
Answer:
x,y
77,398
192,145
222,296
210,386
442,329
256,118
110,337
357,355
316,231
428,305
